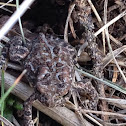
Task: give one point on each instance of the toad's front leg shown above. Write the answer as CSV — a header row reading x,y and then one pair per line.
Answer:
x,y
28,111
87,94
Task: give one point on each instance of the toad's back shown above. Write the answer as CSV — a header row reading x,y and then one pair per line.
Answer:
x,y
50,65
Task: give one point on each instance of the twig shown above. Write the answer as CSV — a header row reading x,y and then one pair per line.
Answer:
x,y
109,56
110,23
14,66
119,124
123,37
92,119
15,121
67,20
117,42
104,113
118,101
72,28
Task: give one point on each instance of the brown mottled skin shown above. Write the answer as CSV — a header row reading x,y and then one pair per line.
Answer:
x,y
49,64
50,70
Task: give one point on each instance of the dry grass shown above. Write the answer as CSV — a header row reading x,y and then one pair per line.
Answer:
x,y
111,95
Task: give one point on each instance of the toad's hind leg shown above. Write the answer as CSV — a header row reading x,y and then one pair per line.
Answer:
x,y
87,91
28,111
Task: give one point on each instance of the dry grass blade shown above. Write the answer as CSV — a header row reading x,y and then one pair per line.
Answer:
x,y
120,62
7,4
92,119
95,11
20,24
6,122
110,23
6,39
118,101
105,113
115,75
113,57
13,19
3,8
120,124
67,20
109,58
118,43
14,66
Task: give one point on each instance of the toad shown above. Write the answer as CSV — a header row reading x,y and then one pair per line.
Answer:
x,y
49,64
50,69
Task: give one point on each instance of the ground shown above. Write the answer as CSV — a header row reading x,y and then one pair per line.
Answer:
x,y
77,23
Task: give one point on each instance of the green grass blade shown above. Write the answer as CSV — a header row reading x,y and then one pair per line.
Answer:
x,y
6,94
20,24
107,82
2,92
12,87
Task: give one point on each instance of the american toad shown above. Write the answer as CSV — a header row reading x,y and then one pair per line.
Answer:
x,y
49,64
50,69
